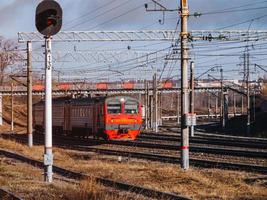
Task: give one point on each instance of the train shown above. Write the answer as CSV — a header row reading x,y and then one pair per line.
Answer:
x,y
110,118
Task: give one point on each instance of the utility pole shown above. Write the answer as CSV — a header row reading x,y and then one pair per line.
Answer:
x,y
222,101
160,109
254,105
1,109
184,86
12,106
146,105
48,156
209,102
151,111
225,106
234,99
192,94
178,108
216,105
155,101
248,92
242,105
29,93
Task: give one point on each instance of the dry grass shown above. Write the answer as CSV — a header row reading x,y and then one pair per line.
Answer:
x,y
28,182
196,183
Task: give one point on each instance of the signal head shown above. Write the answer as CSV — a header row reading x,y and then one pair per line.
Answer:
x,y
48,17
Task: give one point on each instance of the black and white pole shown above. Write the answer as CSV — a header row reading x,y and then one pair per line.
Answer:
x,y
48,156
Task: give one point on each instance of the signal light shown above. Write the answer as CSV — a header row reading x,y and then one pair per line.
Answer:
x,y
48,17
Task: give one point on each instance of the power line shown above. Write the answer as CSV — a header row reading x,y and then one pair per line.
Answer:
x,y
125,13
231,11
90,12
101,14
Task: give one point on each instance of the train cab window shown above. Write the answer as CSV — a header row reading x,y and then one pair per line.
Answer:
x,y
114,107
131,107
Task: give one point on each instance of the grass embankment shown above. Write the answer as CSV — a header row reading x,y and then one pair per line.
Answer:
x,y
195,183
27,182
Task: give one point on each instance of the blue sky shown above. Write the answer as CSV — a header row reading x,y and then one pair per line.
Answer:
x,y
19,15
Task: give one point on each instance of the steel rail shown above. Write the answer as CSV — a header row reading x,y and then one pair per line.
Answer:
x,y
106,182
218,136
201,140
164,158
175,160
196,149
4,194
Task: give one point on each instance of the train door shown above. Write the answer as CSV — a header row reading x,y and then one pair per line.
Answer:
x,y
67,118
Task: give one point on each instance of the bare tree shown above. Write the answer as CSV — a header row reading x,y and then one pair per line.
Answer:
x,y
8,56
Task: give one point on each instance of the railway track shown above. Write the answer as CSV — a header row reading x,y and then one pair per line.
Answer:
x,y
4,194
202,141
208,138
156,157
199,133
104,181
152,145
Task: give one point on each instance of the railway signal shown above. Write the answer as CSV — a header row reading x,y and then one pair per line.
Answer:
x,y
48,21
48,18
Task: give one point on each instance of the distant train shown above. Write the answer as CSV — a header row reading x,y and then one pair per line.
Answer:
x,y
116,117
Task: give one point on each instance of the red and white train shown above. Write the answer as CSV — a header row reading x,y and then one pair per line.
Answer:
x,y
116,117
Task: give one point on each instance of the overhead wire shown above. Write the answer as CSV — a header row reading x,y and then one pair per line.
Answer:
x,y
101,14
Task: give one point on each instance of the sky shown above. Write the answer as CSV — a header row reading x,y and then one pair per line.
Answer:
x,y
87,15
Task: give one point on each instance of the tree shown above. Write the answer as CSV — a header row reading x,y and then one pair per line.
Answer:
x,y
8,56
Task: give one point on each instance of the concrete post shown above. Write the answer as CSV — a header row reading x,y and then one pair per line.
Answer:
x,y
1,109
146,105
184,86
216,106
192,94
29,93
48,156
12,107
155,103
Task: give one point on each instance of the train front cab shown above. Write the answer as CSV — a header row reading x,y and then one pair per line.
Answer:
x,y
123,117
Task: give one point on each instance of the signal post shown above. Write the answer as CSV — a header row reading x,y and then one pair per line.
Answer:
x,y
48,22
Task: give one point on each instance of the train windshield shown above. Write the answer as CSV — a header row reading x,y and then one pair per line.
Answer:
x,y
131,107
114,107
